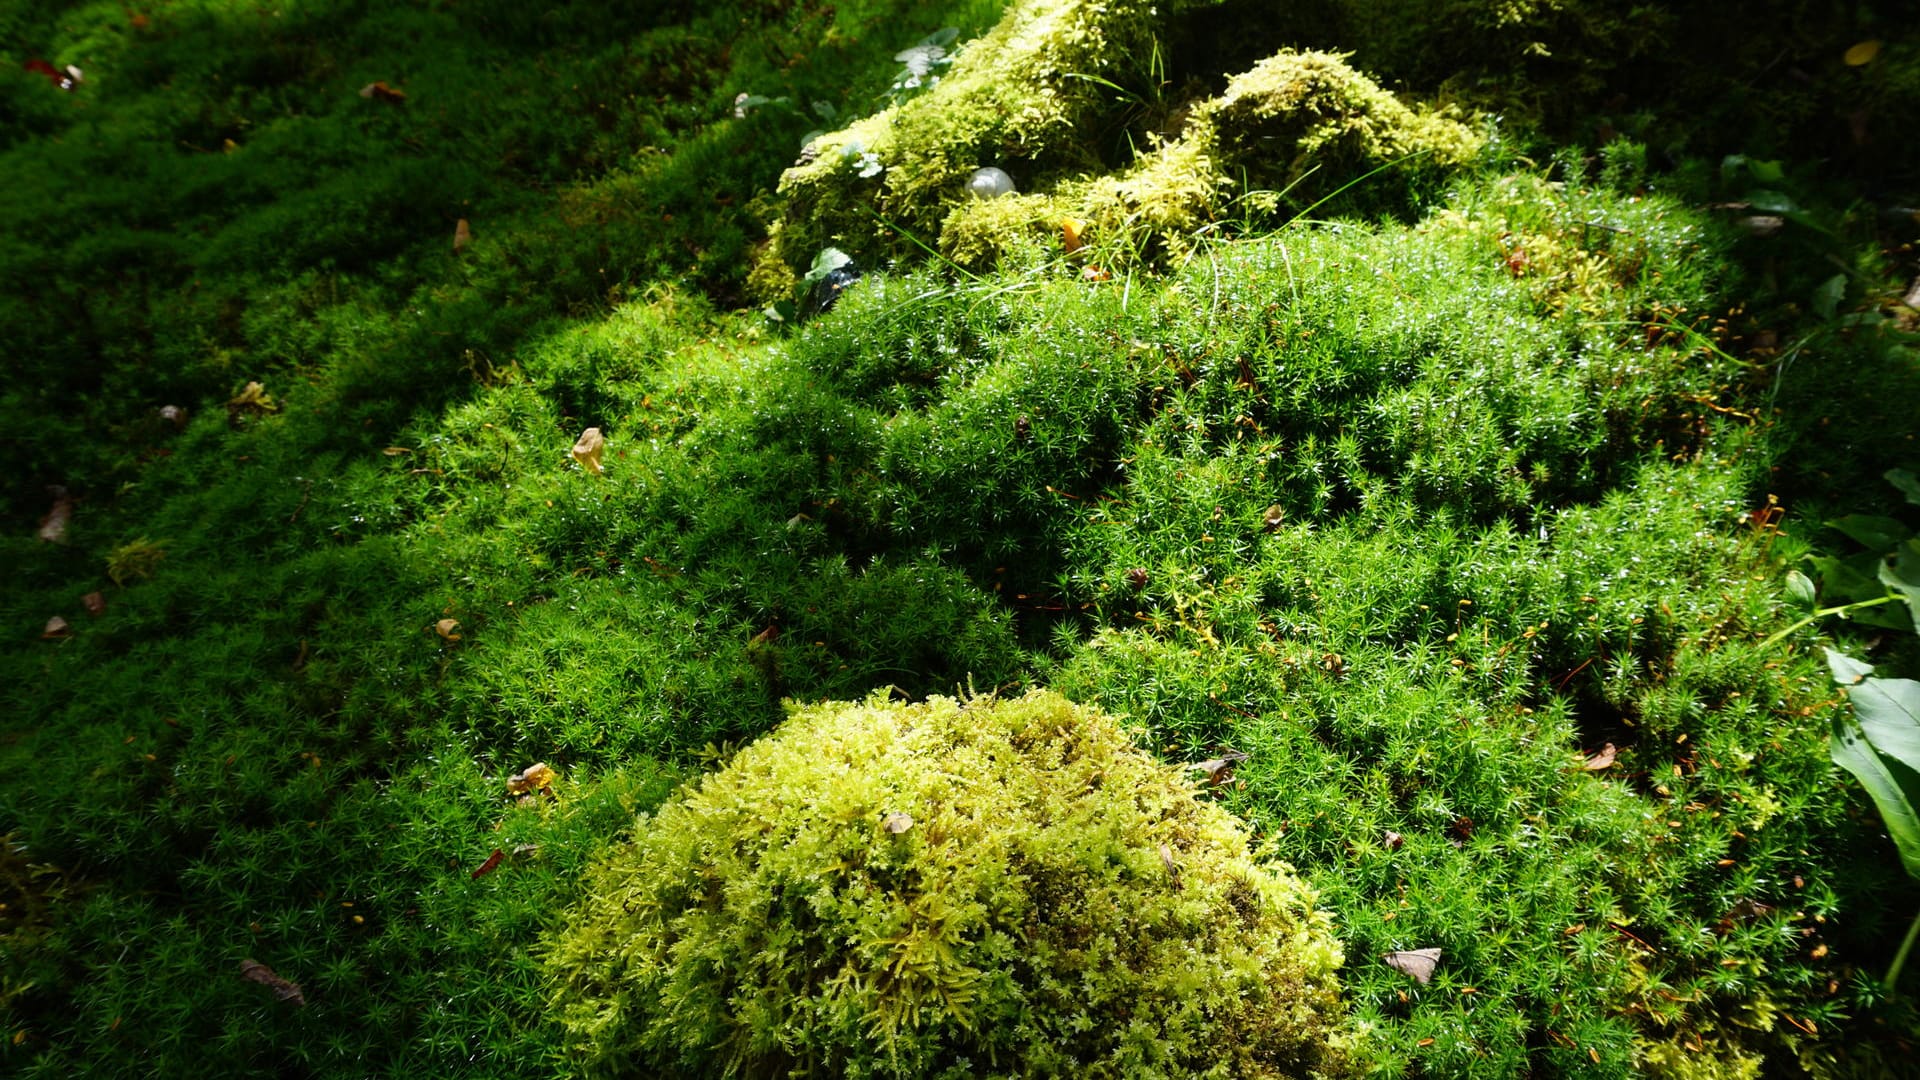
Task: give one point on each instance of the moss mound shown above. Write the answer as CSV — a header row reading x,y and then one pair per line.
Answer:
x,y
1033,95
948,889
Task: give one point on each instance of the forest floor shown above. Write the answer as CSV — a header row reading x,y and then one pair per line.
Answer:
x,y
1469,526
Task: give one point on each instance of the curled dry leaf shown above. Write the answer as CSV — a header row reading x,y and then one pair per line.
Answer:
x,y
174,414
255,971
764,637
447,628
1137,577
1602,758
488,867
53,527
1073,234
589,449
536,777
1173,867
462,236
95,603
1395,841
897,823
382,92
1862,53
1271,518
57,628
253,398
1220,768
1418,963
396,451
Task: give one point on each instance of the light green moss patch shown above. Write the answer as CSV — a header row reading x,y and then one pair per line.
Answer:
x,y
1030,95
951,889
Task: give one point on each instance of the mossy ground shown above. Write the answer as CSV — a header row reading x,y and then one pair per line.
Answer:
x,y
1520,516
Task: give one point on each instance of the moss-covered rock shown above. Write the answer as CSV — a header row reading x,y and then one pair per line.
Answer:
x,y
1032,95
948,889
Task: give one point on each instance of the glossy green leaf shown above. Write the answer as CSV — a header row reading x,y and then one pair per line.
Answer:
x,y
1876,533
1827,297
1879,743
1902,575
1800,592
1908,484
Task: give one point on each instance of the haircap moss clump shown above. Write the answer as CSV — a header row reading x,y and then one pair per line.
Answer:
x,y
1030,96
948,889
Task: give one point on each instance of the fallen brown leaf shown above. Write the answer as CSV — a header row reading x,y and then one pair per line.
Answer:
x,y
1271,518
897,823
255,971
1220,768
57,627
1073,234
446,629
381,91
536,777
1601,758
488,867
253,398
95,603
1418,963
462,236
53,527
589,449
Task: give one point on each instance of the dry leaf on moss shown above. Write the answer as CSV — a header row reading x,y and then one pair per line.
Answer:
x,y
1073,234
446,629
536,777
488,867
255,971
1601,758
53,527
897,823
57,627
1418,963
1862,54
462,236
589,449
381,91
1220,768
95,603
253,398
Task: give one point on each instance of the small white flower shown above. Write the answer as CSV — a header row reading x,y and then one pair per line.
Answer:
x,y
870,166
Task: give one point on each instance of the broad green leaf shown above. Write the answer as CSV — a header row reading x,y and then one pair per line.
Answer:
x,y
829,260
1908,484
1880,744
1800,591
1771,202
1846,670
1827,297
1849,580
1876,533
1902,575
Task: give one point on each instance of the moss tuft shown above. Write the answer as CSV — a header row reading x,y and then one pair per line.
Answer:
x,y
990,887
1029,96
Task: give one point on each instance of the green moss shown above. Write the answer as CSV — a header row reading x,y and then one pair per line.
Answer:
x,y
1009,99
979,888
1031,95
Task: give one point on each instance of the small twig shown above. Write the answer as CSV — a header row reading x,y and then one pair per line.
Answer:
x,y
304,496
